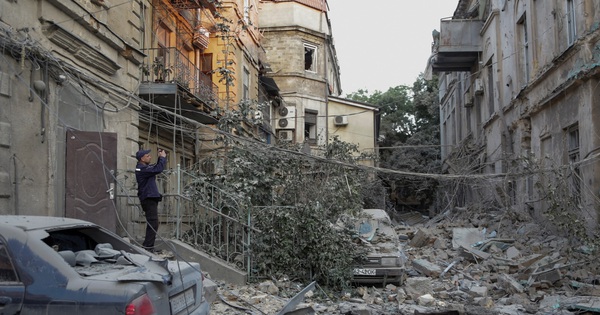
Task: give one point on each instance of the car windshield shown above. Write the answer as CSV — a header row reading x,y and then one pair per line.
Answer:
x,y
373,228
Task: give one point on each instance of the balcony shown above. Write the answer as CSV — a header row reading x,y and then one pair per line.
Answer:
x,y
171,80
458,46
194,4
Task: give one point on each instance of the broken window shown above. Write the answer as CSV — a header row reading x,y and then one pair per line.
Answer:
x,y
310,126
310,58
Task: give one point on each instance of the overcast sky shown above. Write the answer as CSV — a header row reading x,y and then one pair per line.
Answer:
x,y
384,43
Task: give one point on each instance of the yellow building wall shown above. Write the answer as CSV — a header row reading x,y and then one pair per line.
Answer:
x,y
236,49
360,129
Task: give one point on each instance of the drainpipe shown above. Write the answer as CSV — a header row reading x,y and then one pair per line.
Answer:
x,y
15,185
178,200
327,95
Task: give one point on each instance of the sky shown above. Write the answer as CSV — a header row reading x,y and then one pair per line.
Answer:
x,y
384,43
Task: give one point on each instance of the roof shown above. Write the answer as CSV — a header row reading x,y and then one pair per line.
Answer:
x,y
40,222
320,5
350,102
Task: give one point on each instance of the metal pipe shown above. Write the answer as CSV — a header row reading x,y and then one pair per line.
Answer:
x,y
178,201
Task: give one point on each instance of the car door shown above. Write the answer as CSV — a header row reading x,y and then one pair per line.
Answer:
x,y
12,289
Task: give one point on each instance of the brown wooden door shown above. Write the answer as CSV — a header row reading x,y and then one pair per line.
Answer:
x,y
91,161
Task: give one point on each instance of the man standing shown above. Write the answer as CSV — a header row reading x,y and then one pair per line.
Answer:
x,y
145,174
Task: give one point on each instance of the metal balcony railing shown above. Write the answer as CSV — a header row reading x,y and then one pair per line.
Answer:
x,y
195,212
169,65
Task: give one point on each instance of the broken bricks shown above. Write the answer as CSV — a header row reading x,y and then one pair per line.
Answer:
x,y
479,275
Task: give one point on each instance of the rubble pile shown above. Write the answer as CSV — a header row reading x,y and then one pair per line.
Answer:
x,y
483,264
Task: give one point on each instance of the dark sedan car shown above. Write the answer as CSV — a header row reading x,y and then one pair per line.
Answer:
x,y
52,265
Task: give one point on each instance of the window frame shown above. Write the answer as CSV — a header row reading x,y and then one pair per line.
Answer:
x,y
310,129
573,157
571,23
245,84
524,41
5,254
313,62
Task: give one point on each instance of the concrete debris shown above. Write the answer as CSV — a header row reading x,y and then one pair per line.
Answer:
x,y
509,284
420,239
426,268
462,266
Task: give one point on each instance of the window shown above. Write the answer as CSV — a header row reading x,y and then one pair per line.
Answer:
x,y
524,38
310,58
206,69
163,39
469,115
185,162
7,272
310,126
246,84
571,26
573,152
490,89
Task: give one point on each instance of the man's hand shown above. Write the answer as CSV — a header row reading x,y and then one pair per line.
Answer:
x,y
162,153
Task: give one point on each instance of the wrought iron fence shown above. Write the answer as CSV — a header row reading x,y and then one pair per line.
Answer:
x,y
196,212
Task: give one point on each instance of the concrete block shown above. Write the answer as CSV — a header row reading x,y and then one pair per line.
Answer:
x,y
420,239
210,290
425,267
509,284
418,286
478,291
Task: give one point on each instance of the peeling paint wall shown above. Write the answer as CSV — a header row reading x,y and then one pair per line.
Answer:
x,y
542,86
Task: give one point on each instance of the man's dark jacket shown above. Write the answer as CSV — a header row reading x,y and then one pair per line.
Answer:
x,y
146,178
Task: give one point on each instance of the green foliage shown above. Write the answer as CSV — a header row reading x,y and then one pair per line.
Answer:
x,y
300,243
410,126
296,201
243,116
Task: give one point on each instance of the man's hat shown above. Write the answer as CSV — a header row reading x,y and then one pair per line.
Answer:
x,y
141,153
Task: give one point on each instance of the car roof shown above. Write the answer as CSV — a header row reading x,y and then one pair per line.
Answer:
x,y
31,222
377,213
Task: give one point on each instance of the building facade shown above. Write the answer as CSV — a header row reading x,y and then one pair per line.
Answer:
x,y
86,84
357,123
518,85
68,80
299,48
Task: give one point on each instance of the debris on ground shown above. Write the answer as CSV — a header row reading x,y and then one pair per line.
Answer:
x,y
483,264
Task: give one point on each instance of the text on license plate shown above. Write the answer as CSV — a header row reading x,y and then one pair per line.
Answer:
x,y
364,272
182,300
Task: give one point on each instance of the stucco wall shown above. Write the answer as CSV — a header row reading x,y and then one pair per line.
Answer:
x,y
541,87
285,14
103,52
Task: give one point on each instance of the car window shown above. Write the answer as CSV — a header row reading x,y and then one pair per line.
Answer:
x,y
72,240
7,272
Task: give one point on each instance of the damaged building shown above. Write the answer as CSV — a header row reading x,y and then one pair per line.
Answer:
x,y
518,84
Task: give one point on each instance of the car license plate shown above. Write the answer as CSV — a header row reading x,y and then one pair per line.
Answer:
x,y
364,272
182,301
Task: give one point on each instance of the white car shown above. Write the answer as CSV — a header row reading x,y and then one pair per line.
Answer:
x,y
385,259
